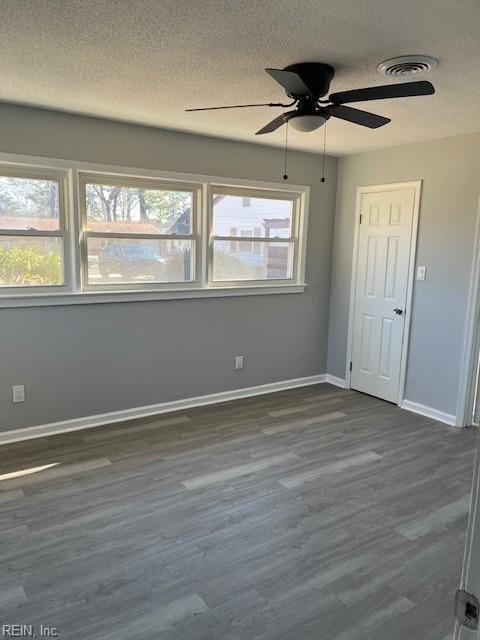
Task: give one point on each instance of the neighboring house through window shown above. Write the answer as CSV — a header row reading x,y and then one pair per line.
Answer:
x,y
258,258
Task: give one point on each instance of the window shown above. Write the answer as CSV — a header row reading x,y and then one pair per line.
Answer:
x,y
75,232
137,233
32,229
256,244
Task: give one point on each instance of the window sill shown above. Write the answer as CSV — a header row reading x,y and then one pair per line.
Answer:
x,y
99,297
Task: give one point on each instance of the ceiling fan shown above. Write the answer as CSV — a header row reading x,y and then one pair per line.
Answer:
x,y
307,83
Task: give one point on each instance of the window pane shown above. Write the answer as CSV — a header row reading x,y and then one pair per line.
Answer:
x,y
29,203
30,261
134,210
261,217
252,260
128,261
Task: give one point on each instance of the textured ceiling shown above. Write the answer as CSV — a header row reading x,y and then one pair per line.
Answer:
x,y
145,61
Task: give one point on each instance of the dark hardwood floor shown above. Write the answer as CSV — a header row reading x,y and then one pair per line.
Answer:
x,y
311,514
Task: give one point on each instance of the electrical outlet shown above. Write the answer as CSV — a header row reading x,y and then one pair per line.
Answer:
x,y
18,393
239,362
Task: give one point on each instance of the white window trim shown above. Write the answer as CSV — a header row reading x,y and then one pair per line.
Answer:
x,y
300,206
63,231
86,177
72,293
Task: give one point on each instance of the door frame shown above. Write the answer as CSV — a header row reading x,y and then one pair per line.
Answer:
x,y
469,579
471,343
416,185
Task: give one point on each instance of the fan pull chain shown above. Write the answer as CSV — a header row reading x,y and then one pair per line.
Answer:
x,y
324,147
285,175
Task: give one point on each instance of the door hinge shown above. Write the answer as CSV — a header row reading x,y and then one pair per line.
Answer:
x,y
351,366
467,609
361,217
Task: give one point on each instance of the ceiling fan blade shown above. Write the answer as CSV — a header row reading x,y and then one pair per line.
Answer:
x,y
275,123
357,116
290,81
242,106
401,90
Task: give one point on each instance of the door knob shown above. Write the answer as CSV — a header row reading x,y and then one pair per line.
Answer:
x,y
398,311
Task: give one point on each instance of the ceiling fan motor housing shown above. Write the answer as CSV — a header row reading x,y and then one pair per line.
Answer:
x,y
316,76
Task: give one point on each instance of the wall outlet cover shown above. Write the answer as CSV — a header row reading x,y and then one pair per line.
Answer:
x,y
239,362
18,393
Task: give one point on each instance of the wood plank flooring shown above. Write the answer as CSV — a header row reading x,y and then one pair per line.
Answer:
x,y
311,514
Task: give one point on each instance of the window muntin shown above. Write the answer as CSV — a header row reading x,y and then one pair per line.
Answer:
x,y
32,229
138,233
253,244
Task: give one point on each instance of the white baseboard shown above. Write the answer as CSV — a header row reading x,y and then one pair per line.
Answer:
x,y
76,424
429,412
338,382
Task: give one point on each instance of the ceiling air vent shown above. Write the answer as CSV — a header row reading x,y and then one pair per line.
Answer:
x,y
407,66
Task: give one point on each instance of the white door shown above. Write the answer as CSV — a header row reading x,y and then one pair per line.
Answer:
x,y
381,290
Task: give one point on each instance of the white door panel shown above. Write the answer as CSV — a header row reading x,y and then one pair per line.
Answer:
x,y
381,287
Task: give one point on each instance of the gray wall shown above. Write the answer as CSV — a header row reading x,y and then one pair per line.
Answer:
x,y
83,360
450,170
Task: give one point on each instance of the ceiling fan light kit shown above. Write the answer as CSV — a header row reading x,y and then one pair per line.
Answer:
x,y
307,122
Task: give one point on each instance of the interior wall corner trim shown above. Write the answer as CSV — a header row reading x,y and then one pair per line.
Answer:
x,y
337,382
